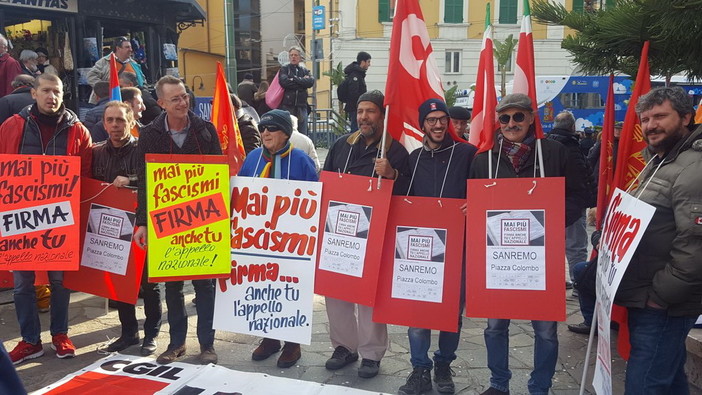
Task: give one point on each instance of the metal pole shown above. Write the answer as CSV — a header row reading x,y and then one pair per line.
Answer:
x,y
229,43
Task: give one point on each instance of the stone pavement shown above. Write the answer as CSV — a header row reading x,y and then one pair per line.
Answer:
x,y
90,329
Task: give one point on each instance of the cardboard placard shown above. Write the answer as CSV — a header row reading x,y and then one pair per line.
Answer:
x,y
187,199
273,252
515,249
111,263
354,214
39,200
420,271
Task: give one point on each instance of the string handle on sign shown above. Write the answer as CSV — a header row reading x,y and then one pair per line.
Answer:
x,y
440,205
408,201
340,176
490,185
370,185
107,186
530,191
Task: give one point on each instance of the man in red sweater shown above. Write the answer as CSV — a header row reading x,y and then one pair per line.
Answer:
x,y
9,68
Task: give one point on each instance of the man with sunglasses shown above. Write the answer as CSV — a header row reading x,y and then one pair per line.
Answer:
x,y
439,169
122,48
178,131
514,155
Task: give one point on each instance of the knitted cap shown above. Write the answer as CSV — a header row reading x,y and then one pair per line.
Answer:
x,y
277,118
515,100
375,96
430,106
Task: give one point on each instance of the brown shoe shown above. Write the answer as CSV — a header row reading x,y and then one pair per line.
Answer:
x,y
290,355
171,355
207,356
267,348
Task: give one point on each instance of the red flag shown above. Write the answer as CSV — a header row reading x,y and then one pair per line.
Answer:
x,y
482,128
525,72
115,93
413,76
604,186
630,162
224,120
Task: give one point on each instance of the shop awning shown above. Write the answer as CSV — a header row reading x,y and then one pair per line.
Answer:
x,y
187,10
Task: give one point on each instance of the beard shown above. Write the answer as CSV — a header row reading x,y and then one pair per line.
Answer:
x,y
669,141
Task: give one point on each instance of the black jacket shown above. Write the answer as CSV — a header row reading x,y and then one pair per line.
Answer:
x,y
14,102
110,161
152,111
356,86
585,189
295,80
202,139
249,132
429,167
555,165
361,159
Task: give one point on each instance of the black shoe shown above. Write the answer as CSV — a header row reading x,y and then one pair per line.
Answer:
x,y
122,343
148,347
418,382
581,328
443,377
369,368
494,391
341,357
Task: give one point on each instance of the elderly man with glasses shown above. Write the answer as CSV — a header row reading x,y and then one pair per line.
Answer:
x,y
514,155
122,48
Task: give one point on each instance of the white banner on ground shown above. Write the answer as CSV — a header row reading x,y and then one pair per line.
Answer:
x,y
127,374
274,227
626,220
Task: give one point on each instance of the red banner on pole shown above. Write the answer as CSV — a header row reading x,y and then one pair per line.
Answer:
x,y
107,227
515,249
40,197
420,270
354,214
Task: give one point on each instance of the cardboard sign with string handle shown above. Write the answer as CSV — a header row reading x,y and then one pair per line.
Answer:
x,y
353,216
111,263
515,248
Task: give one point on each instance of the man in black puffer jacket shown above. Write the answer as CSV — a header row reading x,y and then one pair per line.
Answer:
x,y
582,198
355,85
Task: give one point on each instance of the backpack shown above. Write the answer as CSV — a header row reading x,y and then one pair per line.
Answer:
x,y
342,91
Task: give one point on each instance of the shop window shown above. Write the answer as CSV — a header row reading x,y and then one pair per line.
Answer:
x,y
453,62
582,101
578,5
453,11
386,10
508,11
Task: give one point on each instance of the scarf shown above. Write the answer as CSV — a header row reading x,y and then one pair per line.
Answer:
x,y
272,168
517,153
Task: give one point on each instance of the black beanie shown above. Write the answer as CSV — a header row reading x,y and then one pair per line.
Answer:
x,y
278,118
431,105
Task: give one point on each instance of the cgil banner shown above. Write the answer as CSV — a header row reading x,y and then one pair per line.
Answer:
x,y
39,218
111,264
515,246
420,273
625,223
273,253
187,200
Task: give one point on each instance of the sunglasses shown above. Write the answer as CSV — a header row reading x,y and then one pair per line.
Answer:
x,y
517,117
270,129
432,121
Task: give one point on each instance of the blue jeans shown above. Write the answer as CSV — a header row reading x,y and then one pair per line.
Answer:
x,y
545,354
576,243
178,317
353,120
26,305
420,340
587,302
10,383
657,360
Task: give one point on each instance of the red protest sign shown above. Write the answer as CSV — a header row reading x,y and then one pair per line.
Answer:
x,y
39,216
354,213
420,270
111,263
515,249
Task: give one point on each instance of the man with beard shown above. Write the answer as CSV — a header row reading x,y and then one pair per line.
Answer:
x,y
514,155
358,153
661,287
439,169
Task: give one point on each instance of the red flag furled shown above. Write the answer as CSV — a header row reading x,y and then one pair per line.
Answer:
x,y
115,93
525,72
630,162
604,186
224,120
482,128
413,76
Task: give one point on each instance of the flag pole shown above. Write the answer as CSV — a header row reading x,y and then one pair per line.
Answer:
x,y
383,139
540,154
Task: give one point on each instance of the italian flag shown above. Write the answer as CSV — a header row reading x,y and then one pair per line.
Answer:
x,y
482,127
525,75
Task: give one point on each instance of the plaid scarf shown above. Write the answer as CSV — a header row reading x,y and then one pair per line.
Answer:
x,y
273,162
517,153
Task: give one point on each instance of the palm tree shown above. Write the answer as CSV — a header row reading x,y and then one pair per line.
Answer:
x,y
503,55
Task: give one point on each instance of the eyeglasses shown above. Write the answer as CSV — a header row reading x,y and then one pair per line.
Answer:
x,y
270,129
178,99
432,121
517,117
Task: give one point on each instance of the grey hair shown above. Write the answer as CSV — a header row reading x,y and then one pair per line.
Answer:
x,y
27,54
298,49
564,120
678,98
